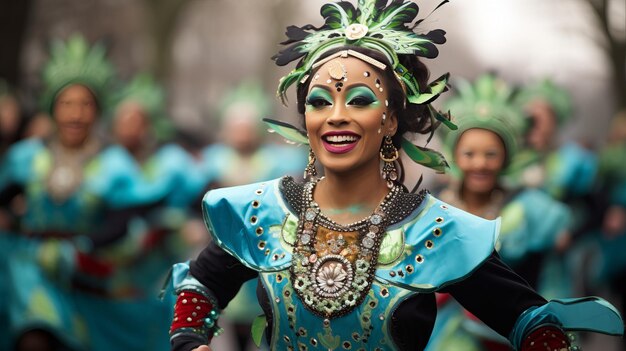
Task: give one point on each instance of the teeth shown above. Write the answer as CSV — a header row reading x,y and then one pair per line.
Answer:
x,y
341,138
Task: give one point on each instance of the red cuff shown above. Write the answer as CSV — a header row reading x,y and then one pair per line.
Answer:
x,y
546,338
92,266
190,311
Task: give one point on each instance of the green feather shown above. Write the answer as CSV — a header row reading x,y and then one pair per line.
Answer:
x,y
443,118
368,10
424,156
287,131
286,81
434,90
395,18
337,16
75,61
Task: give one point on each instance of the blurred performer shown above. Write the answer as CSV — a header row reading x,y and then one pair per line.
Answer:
x,y
532,222
139,259
142,127
39,126
352,260
567,172
12,124
243,156
606,244
72,189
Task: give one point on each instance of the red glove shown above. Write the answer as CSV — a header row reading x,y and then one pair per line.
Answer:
x,y
546,338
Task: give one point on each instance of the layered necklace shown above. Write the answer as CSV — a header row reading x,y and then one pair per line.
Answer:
x,y
66,175
333,265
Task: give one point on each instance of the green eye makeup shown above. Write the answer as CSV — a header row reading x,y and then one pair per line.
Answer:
x,y
317,98
361,96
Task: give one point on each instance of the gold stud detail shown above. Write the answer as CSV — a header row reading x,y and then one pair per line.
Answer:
x,y
256,204
429,244
439,219
437,232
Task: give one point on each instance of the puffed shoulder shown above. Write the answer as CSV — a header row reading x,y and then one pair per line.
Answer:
x,y
249,221
16,166
442,245
435,245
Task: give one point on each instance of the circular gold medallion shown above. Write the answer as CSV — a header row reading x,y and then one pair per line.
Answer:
x,y
336,70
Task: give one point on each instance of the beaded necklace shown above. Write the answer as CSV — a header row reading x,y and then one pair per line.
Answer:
x,y
333,265
68,169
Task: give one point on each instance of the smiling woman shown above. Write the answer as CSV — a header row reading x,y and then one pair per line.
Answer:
x,y
352,260
346,117
532,222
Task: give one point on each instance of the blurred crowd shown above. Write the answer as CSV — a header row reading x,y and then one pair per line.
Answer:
x,y
100,194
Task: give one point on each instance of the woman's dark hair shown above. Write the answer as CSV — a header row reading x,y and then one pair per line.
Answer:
x,y
411,118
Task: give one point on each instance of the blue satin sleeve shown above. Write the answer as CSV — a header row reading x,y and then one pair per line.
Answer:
x,y
117,179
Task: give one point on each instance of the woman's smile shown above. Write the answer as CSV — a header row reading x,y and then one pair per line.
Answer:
x,y
340,142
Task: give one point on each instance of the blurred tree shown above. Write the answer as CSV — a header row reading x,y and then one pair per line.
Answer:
x,y
162,17
614,45
13,24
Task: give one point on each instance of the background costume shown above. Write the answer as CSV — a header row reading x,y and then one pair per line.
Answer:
x,y
56,281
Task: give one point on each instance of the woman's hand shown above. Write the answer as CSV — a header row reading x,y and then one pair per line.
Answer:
x,y
202,348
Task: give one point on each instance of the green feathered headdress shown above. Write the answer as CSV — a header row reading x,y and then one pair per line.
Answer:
x,y
149,95
373,24
546,90
247,92
485,104
75,62
384,26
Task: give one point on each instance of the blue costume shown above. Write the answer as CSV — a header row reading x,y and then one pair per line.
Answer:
x,y
42,256
262,227
50,284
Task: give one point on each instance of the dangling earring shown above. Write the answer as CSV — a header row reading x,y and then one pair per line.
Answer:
x,y
310,171
389,154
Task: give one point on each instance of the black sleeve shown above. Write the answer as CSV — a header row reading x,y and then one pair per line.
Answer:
x,y
116,224
221,273
186,342
495,294
8,193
